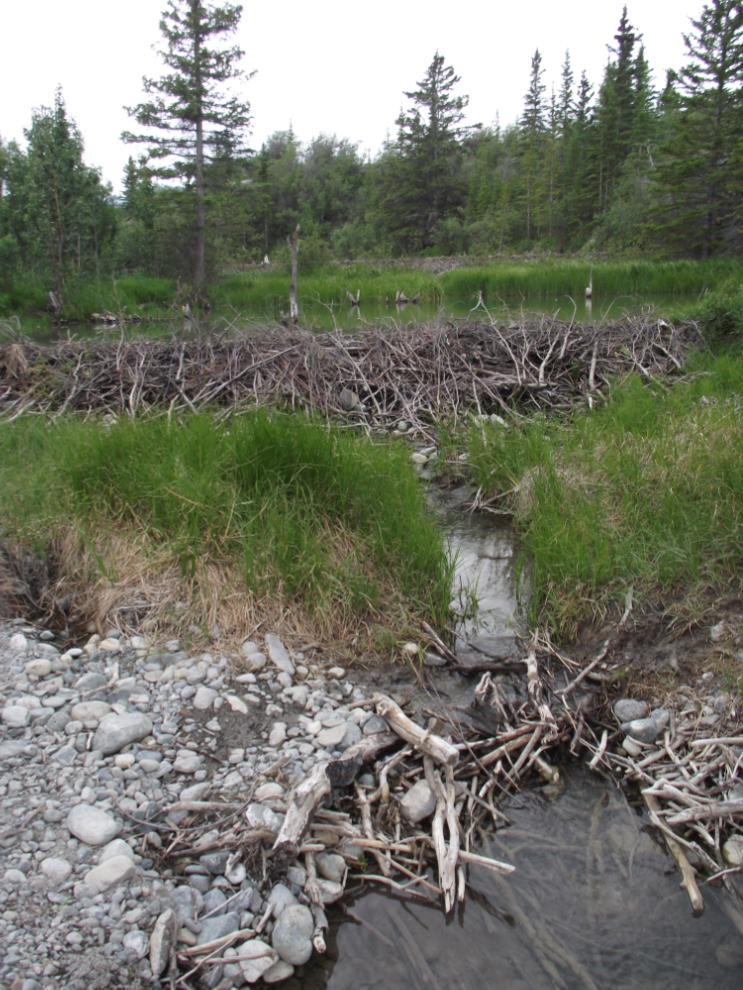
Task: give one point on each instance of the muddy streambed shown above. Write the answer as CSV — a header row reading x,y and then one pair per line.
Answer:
x,y
595,900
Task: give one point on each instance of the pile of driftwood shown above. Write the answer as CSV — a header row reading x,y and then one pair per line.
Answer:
x,y
691,781
375,376
459,762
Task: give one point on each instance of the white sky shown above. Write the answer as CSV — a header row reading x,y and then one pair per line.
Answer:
x,y
331,66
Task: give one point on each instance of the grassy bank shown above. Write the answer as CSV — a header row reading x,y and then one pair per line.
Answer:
x,y
645,490
261,515
131,294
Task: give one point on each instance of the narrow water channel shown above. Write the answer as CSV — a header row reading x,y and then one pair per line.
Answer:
x,y
594,903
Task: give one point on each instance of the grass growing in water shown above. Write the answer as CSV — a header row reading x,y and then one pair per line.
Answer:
x,y
646,491
267,291
293,512
571,277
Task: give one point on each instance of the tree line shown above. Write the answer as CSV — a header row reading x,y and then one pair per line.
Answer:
x,y
623,166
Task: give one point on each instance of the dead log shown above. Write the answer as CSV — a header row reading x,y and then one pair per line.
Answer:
x,y
310,792
430,744
293,307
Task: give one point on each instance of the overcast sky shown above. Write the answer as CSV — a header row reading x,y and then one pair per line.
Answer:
x,y
333,66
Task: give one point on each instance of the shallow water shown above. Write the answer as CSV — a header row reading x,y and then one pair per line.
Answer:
x,y
350,318
594,903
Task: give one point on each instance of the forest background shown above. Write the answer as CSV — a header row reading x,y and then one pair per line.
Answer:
x,y
615,167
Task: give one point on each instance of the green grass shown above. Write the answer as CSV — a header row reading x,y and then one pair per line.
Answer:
x,y
131,294
645,490
570,277
269,291
265,293
305,512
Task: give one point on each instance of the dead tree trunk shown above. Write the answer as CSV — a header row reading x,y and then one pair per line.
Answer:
x,y
293,307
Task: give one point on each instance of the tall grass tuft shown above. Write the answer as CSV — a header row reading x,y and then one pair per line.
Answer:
x,y
542,277
311,515
645,491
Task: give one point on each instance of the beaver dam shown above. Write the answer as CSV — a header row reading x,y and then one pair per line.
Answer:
x,y
423,373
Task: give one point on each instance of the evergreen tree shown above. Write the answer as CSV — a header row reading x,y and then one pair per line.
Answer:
x,y
534,127
196,117
616,108
700,166
58,209
426,182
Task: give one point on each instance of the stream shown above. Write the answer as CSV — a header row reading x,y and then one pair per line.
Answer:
x,y
595,901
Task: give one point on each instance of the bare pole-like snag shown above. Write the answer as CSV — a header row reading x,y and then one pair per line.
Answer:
x,y
293,243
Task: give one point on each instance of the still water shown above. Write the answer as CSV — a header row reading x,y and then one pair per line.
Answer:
x,y
594,903
345,318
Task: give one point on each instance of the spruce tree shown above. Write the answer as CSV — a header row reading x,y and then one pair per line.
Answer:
x,y
699,171
192,117
425,184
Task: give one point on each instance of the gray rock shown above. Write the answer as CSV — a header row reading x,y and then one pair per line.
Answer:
x,y
91,825
352,736
255,662
278,734
10,749
418,803
39,667
187,764
90,681
278,972
117,847
57,870
204,698
187,903
86,711
18,643
332,736
117,731
115,870
214,901
217,927
732,851
161,941
644,730
278,654
200,883
257,957
628,710
215,862
331,866
15,717
661,716
280,899
196,792
292,935
373,725
66,755
137,943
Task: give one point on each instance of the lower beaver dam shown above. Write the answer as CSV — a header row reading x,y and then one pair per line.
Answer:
x,y
595,902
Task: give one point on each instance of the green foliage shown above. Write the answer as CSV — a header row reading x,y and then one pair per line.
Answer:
x,y
645,490
316,513
57,214
700,168
193,119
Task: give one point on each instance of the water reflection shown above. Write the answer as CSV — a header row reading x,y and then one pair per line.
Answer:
x,y
322,316
595,903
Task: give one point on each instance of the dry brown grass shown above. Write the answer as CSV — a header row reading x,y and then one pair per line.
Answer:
x,y
126,580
